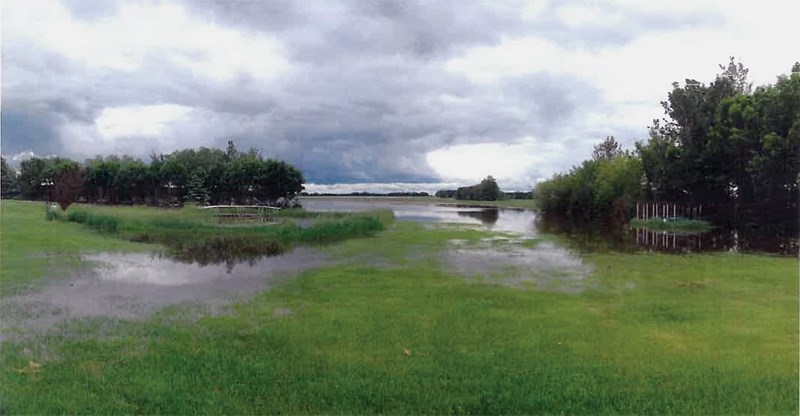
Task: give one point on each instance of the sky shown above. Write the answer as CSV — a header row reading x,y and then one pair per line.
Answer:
x,y
369,95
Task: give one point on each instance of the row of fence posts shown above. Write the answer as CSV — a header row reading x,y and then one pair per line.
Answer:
x,y
647,210
660,240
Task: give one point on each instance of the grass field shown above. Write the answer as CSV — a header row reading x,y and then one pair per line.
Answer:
x,y
392,330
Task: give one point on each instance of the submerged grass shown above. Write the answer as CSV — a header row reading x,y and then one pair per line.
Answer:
x,y
660,224
699,334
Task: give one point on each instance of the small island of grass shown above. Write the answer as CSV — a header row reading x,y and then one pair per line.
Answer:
x,y
672,224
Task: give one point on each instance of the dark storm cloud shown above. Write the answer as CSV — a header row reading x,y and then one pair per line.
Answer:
x,y
324,31
36,126
364,98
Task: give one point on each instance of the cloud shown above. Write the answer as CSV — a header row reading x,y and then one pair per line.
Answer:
x,y
366,92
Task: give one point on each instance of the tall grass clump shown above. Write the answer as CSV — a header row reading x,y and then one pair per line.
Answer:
x,y
195,234
326,232
100,222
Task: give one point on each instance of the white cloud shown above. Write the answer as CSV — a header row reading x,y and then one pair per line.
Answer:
x,y
516,165
138,32
592,15
150,120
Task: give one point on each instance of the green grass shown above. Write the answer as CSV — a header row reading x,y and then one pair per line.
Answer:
x,y
693,334
31,247
189,227
657,223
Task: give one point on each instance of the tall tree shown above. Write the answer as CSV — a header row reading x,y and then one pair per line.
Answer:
x,y
8,181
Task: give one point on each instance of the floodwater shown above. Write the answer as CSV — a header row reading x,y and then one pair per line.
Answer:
x,y
546,266
501,260
577,238
128,286
498,219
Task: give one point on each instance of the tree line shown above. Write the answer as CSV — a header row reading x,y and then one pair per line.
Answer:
x,y
722,145
487,190
203,176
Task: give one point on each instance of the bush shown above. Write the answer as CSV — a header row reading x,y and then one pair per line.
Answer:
x,y
603,189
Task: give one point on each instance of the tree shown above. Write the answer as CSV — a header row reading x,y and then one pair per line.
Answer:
x,y
487,190
31,177
683,160
737,75
197,190
9,186
67,186
607,149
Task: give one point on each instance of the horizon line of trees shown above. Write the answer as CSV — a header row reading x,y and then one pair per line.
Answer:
x,y
487,190
723,145
202,176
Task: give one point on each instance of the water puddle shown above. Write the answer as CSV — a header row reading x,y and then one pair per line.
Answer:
x,y
133,286
544,266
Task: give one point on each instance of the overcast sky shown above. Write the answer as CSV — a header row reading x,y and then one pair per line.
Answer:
x,y
378,95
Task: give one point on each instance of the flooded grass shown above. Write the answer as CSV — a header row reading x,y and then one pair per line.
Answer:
x,y
134,286
649,333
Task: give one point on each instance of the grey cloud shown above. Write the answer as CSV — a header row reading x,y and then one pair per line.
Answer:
x,y
26,128
364,100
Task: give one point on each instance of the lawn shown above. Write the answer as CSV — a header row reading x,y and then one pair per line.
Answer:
x,y
390,329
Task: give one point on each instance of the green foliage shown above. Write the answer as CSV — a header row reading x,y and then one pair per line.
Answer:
x,y
605,189
9,185
607,149
198,192
203,175
722,143
487,190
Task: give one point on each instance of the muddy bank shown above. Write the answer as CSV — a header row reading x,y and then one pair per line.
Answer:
x,y
133,286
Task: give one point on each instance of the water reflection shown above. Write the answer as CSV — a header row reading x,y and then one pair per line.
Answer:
x,y
500,219
628,239
164,270
575,235
228,251
487,216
